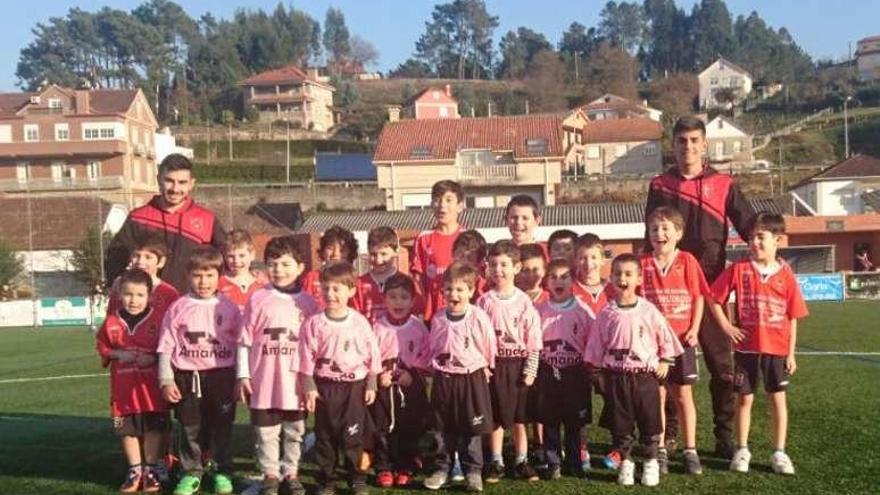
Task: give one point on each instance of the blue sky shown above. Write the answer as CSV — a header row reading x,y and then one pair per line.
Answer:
x,y
823,28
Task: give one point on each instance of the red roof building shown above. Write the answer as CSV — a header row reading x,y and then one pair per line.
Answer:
x,y
293,94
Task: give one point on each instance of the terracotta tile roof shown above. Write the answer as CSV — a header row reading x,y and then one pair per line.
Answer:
x,y
12,102
856,166
284,75
58,223
271,218
440,139
111,100
622,130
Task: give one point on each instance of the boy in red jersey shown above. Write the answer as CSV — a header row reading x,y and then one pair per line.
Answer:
x,y
127,341
433,249
239,282
268,366
369,298
769,305
518,336
469,248
634,346
197,351
337,244
564,387
462,353
673,281
339,358
149,254
588,261
530,278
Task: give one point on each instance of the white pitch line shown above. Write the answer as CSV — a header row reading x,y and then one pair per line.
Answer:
x,y
50,378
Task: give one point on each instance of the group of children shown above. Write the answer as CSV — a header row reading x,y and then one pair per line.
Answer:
x,y
480,340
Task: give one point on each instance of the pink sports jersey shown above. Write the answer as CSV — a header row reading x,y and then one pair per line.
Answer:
x,y
160,299
674,290
566,328
272,323
463,346
433,254
516,322
631,339
765,305
201,334
344,351
369,300
596,301
386,338
132,389
434,300
238,294
410,341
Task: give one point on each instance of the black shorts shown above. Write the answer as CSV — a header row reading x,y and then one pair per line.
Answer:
x,y
510,395
685,371
135,425
217,401
747,366
564,395
462,404
631,399
274,417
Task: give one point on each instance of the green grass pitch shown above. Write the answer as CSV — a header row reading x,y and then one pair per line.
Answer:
x,y
55,435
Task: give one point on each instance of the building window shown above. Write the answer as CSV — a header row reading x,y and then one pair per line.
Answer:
x,y
23,171
536,146
650,149
713,81
444,112
719,149
100,131
107,133
58,169
619,150
93,170
5,133
592,152
31,132
62,132
54,105
737,146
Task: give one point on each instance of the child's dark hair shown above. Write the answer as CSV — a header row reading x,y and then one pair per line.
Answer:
x,y
175,162
587,241
530,251
627,258
687,124
561,235
339,271
461,272
769,222
380,237
557,264
523,200
205,258
469,241
670,213
237,238
341,236
507,248
136,276
444,186
281,246
153,243
400,281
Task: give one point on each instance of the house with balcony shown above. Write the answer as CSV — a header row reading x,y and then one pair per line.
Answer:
x,y
723,84
494,158
729,147
64,141
293,94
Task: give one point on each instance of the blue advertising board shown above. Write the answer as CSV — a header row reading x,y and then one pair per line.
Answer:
x,y
821,286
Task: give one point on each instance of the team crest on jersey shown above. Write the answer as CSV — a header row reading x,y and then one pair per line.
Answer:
x,y
346,345
707,191
196,223
412,346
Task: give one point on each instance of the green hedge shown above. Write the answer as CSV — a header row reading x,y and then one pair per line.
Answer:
x,y
257,149
250,173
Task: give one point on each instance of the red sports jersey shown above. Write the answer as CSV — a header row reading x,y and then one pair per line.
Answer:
x,y
311,285
674,289
765,305
432,255
160,299
239,294
133,389
516,322
596,301
201,334
344,351
369,300
539,298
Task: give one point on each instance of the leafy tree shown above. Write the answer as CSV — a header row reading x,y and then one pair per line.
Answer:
x,y
518,49
457,42
711,32
337,41
11,268
612,70
623,24
545,82
412,68
363,52
88,258
667,37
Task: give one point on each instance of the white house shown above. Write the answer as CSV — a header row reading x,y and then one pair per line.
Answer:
x,y
166,144
723,75
868,58
840,189
728,144
610,106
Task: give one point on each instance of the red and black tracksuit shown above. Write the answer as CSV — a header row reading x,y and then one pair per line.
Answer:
x,y
710,204
184,230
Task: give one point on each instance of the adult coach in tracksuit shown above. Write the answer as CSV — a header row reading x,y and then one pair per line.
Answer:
x,y
710,203
173,214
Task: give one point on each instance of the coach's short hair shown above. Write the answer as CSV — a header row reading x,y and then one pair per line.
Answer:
x,y
687,124
205,258
767,221
175,162
281,246
461,272
136,276
340,272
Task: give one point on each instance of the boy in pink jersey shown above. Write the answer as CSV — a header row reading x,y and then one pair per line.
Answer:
x,y
337,244
462,351
523,216
127,341
769,305
589,286
564,387
239,282
633,345
197,345
268,364
674,282
339,358
518,336
401,403
530,278
149,254
369,299
432,252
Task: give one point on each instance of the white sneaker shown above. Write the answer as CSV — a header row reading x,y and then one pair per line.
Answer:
x,y
781,463
627,473
740,461
651,473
